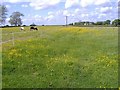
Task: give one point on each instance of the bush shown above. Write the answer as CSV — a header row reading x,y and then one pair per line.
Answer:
x,y
33,24
7,26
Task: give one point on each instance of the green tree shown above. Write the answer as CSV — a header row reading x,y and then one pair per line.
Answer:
x,y
71,24
15,19
3,14
99,23
116,22
107,22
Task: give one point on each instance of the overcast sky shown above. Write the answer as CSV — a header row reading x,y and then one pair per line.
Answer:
x,y
54,11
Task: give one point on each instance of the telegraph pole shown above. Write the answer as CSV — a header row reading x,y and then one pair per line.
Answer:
x,y
66,20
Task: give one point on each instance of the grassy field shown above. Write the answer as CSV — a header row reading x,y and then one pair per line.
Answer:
x,y
57,56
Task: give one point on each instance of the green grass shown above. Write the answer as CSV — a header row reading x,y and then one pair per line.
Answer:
x,y
61,57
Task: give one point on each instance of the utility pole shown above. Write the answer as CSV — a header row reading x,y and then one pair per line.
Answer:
x,y
66,20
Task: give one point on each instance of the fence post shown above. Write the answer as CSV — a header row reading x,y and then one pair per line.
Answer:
x,y
13,38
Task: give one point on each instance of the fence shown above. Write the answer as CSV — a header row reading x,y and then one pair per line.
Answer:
x,y
13,37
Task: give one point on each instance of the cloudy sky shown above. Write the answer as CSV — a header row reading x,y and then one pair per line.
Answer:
x,y
54,11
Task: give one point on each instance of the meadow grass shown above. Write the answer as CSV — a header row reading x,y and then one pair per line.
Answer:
x,y
61,57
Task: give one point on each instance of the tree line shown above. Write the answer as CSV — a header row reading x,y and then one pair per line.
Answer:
x,y
15,17
115,22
